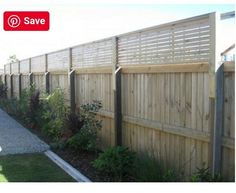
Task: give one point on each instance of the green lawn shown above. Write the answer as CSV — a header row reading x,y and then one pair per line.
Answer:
x,y
30,168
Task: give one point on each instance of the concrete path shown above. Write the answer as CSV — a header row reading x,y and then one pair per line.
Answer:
x,y
15,139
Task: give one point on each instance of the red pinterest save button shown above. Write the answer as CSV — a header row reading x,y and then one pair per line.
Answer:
x,y
26,20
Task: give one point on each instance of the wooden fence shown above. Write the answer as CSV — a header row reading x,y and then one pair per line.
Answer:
x,y
157,87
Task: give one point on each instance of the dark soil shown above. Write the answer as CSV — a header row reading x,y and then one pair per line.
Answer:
x,y
81,160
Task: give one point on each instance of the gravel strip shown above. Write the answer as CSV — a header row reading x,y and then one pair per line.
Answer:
x,y
15,139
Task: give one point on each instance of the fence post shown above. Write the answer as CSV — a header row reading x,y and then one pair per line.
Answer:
x,y
47,74
71,83
11,85
219,114
215,145
116,74
19,79
30,73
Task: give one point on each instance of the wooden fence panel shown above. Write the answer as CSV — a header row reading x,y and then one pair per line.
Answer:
x,y
38,64
25,81
93,54
228,152
89,87
165,108
186,41
39,81
57,61
15,89
60,81
25,66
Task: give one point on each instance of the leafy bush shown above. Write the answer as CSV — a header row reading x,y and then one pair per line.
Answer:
x,y
54,114
26,107
3,90
86,136
117,162
73,123
148,169
204,175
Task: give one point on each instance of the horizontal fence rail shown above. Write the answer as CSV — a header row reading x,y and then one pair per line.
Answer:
x,y
157,87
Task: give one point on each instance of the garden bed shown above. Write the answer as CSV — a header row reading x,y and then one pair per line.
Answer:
x,y
73,136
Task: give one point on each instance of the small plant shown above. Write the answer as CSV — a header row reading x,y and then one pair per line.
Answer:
x,y
117,162
3,90
34,108
74,124
204,175
86,136
54,115
148,169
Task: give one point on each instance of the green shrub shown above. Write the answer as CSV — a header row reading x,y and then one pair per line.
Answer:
x,y
3,90
20,108
86,136
148,169
116,162
73,123
54,114
204,175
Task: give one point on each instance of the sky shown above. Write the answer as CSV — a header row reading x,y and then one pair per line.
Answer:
x,y
75,23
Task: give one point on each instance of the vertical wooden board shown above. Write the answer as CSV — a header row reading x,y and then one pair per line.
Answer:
x,y
142,139
167,98
178,150
108,132
194,101
205,154
154,97
188,100
138,145
157,86
199,152
182,99
125,95
177,100
161,96
181,154
200,94
225,162
124,133
149,96
172,99
227,104
133,137
206,103
193,155
107,91
140,95
80,90
150,145
163,147
111,105
187,164
145,94
135,102
113,134
131,86
231,175
232,109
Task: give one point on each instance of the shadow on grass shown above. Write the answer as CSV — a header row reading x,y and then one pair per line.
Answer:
x,y
31,168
